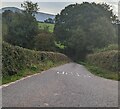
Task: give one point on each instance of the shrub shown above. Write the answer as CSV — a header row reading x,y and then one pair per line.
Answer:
x,y
44,41
16,58
108,48
107,59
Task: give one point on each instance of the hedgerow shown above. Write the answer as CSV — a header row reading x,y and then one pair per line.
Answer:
x,y
107,48
16,58
108,60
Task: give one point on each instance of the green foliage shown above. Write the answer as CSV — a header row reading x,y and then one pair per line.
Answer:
x,y
108,60
83,27
46,25
50,63
33,67
108,48
76,45
17,58
19,29
102,33
102,72
31,70
44,41
59,45
30,7
105,62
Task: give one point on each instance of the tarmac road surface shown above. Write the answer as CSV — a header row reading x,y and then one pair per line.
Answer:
x,y
69,85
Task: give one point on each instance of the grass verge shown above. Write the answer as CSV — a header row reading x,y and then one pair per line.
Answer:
x,y
30,71
102,72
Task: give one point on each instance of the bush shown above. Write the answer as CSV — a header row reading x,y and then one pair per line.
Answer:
x,y
108,48
17,58
44,41
107,59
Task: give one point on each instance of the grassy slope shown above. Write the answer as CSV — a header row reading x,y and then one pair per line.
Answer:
x,y
106,56
101,72
43,25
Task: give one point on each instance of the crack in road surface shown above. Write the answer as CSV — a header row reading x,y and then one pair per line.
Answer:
x,y
69,85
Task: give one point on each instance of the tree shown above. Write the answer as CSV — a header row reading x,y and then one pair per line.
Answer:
x,y
20,29
76,45
49,20
30,7
102,33
94,20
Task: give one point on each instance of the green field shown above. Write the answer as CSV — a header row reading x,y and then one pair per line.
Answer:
x,y
44,25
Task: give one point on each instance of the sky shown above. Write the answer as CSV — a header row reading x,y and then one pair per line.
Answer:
x,y
54,7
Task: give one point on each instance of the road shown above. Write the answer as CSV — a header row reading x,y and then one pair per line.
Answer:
x,y
69,85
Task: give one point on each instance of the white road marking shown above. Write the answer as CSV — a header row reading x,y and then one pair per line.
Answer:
x,y
56,94
57,72
46,104
78,74
66,73
87,76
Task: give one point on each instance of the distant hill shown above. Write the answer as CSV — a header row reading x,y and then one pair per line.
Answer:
x,y
40,16
43,16
14,9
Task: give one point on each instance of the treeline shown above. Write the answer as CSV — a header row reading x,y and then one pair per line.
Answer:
x,y
79,29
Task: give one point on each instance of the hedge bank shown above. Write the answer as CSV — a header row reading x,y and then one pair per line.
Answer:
x,y
16,58
108,60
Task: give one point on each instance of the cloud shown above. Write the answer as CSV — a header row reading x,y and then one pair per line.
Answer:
x,y
54,7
